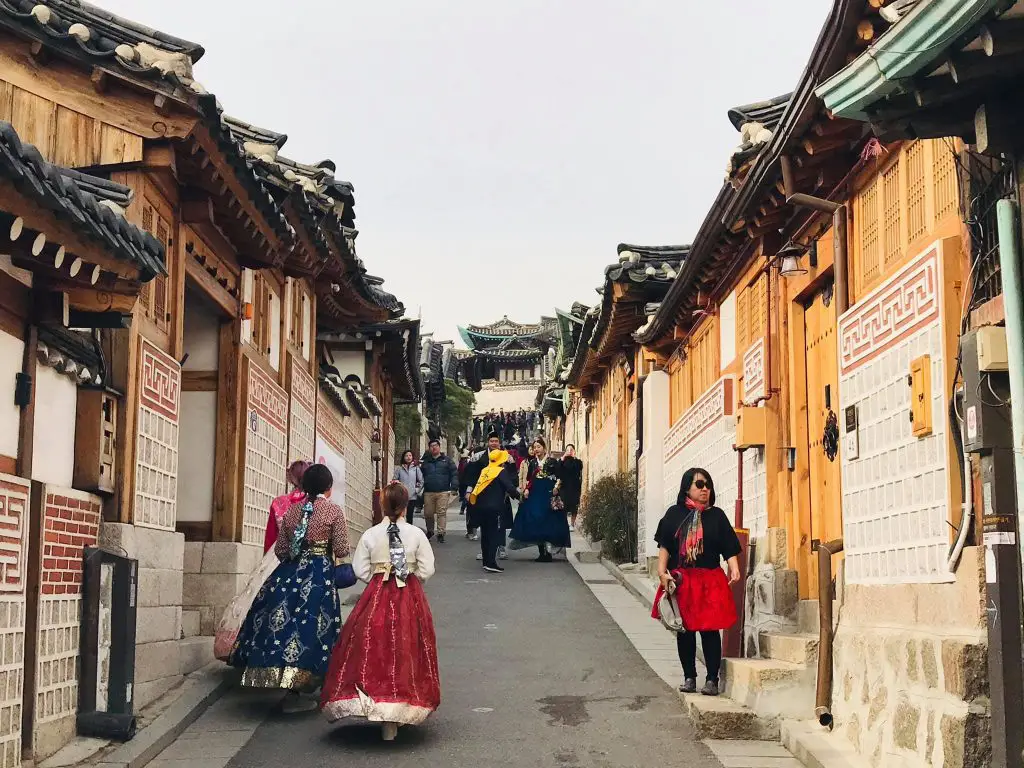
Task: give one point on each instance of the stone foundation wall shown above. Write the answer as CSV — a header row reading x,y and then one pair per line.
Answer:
x,y
772,592
214,572
911,682
158,629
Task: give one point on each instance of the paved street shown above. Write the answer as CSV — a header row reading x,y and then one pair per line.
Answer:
x,y
534,672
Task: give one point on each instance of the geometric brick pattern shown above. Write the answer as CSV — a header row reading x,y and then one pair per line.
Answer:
x,y
604,450
359,474
266,452
156,443
329,427
57,673
14,494
895,506
301,415
753,372
709,409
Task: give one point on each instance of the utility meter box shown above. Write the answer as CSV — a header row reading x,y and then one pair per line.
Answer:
x,y
921,395
992,349
986,407
751,427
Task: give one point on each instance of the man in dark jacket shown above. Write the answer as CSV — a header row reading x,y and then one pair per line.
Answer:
x,y
440,481
472,474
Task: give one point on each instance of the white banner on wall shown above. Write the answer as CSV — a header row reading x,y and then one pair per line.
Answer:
x,y
335,462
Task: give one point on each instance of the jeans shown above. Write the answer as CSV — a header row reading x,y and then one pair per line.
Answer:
x,y
491,536
410,511
435,507
711,642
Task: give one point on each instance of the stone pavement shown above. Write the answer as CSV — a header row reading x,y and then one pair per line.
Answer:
x,y
657,647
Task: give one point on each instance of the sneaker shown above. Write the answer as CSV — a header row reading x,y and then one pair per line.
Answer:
x,y
689,685
572,528
710,688
475,537
297,702
440,538
468,535
480,556
494,569
545,558
502,553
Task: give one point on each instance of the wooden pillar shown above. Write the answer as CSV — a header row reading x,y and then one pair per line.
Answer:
x,y
228,471
26,424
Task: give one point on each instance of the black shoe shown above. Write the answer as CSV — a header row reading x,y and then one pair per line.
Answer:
x,y
689,685
430,535
545,558
710,688
494,569
440,538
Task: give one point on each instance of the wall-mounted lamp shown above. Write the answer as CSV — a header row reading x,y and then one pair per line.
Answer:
x,y
789,260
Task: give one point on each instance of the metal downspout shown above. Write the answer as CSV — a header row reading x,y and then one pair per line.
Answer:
x,y
1009,267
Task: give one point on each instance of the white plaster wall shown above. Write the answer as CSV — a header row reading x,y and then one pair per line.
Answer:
x,y
755,493
655,416
350,362
727,330
12,350
509,398
604,449
53,455
202,336
196,456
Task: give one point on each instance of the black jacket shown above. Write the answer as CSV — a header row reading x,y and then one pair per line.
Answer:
x,y
439,475
496,495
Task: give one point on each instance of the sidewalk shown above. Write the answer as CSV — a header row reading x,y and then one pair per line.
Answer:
x,y
627,598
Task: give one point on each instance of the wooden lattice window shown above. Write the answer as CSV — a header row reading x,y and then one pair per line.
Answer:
x,y
742,321
703,360
154,295
262,321
946,185
868,235
917,194
892,213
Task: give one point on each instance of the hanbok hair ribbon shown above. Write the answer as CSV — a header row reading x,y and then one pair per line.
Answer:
x,y
396,553
300,530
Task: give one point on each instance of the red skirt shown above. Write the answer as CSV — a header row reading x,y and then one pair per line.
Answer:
x,y
705,599
384,667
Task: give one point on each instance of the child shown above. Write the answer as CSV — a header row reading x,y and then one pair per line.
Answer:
x,y
384,668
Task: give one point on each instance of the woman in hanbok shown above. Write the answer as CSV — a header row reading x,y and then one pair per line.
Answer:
x,y
231,621
384,668
287,637
538,523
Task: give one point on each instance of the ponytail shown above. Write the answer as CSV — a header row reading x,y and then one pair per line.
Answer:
x,y
394,500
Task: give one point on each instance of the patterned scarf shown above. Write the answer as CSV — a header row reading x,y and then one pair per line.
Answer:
x,y
300,530
692,539
396,551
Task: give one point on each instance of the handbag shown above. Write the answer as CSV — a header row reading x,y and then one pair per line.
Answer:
x,y
668,610
557,504
344,576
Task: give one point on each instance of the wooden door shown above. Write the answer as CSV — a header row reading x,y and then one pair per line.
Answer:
x,y
820,347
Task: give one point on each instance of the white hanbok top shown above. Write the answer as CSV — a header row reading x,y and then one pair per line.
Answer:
x,y
374,549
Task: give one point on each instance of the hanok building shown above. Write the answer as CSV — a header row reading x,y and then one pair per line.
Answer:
x,y
209,369
606,365
514,360
554,399
814,329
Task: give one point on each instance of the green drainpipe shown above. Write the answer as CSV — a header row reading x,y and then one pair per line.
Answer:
x,y
1009,268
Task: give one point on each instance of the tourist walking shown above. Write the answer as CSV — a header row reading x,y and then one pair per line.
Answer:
x,y
475,466
490,497
693,538
571,485
409,475
384,668
231,621
540,521
440,483
287,637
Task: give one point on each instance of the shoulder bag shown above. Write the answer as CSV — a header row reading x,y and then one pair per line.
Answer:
x,y
668,610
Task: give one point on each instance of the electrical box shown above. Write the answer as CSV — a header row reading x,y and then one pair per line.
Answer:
x,y
95,441
986,406
992,349
921,395
751,427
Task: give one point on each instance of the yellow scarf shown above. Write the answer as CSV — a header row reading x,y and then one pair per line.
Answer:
x,y
489,474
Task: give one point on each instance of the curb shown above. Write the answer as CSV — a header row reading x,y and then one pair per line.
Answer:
x,y
623,579
207,688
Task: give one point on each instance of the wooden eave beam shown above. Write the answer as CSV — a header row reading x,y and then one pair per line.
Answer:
x,y
972,66
1002,37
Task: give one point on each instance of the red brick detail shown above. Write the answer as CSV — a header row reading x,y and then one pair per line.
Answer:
x,y
70,525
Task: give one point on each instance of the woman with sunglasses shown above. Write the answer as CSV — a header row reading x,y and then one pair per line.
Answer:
x,y
693,538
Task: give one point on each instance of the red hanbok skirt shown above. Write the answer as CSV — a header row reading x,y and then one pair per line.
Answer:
x,y
705,599
384,667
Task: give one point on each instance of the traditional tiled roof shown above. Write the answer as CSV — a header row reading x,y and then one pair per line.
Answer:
x,y
335,389
768,113
73,353
510,354
92,207
756,124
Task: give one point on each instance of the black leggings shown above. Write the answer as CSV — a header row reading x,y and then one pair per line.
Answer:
x,y
711,642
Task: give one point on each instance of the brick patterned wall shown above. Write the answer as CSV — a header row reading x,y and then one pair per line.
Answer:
x,y
755,493
604,449
266,451
895,497
359,474
14,505
156,445
301,415
70,524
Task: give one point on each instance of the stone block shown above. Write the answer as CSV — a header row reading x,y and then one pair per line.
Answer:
x,y
154,661
966,740
160,549
722,718
965,668
230,557
157,624
196,653
208,618
792,648
193,558
148,692
787,592
878,704
773,544
929,663
159,587
49,738
905,723
913,673
118,537
214,589
190,622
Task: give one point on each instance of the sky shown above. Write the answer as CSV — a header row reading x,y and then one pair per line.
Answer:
x,y
500,150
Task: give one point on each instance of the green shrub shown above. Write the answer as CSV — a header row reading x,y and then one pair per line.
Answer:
x,y
609,515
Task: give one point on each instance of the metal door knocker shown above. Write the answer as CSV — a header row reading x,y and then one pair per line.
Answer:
x,y
830,440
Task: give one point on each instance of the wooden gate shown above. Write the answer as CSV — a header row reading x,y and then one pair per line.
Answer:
x,y
823,429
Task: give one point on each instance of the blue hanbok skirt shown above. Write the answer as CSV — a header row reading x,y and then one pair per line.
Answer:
x,y
290,631
536,523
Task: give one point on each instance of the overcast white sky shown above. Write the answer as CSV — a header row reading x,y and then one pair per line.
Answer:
x,y
500,150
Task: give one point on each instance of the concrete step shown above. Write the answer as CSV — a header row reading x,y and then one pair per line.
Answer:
x,y
718,717
196,653
816,747
807,617
189,623
769,687
792,648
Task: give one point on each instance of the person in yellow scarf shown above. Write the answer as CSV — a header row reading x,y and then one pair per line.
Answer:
x,y
497,480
